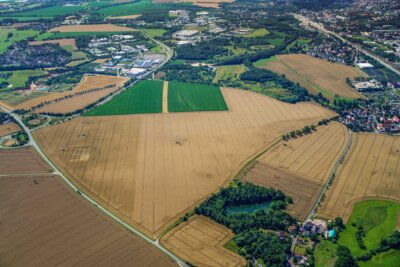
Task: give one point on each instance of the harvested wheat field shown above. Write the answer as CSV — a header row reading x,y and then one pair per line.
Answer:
x,y
45,224
201,241
60,42
91,28
317,75
151,168
8,128
87,94
23,160
301,166
370,170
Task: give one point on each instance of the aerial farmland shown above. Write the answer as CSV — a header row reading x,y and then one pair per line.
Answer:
x,y
204,133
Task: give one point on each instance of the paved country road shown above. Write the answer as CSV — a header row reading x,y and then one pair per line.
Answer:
x,y
321,28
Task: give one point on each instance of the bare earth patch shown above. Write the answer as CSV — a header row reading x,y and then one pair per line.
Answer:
x,y
151,168
370,170
317,75
9,128
201,241
91,28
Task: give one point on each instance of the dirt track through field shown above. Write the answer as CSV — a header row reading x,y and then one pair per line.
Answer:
x,y
150,169
165,98
370,170
316,74
301,166
200,241
45,224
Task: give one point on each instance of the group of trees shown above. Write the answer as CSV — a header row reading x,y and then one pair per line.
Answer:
x,y
253,244
294,134
201,51
390,242
186,73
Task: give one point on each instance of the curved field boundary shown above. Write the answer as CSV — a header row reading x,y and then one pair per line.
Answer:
x,y
370,170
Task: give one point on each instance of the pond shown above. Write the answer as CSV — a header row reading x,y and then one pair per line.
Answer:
x,y
248,208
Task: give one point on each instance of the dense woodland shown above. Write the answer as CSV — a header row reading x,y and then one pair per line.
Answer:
x,y
248,226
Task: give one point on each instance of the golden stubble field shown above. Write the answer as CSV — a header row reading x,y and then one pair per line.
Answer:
x,y
79,101
9,128
300,167
61,42
201,241
150,169
370,171
317,75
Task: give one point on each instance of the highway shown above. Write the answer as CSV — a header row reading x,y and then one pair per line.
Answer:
x,y
322,29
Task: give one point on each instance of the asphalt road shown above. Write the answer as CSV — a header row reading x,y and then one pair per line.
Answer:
x,y
356,46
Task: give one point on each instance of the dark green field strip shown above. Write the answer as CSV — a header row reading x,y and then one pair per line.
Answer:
x,y
183,97
143,97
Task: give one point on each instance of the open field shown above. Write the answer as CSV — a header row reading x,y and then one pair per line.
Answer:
x,y
317,75
151,168
60,42
143,97
200,241
183,97
45,224
301,166
124,17
390,258
370,170
228,72
378,218
17,35
135,8
8,128
91,28
23,160
89,82
325,253
47,12
18,78
154,32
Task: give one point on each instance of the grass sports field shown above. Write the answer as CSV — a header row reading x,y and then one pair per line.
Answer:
x,y
378,219
143,97
17,35
184,97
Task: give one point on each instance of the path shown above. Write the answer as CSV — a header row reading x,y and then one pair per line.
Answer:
x,y
165,98
331,177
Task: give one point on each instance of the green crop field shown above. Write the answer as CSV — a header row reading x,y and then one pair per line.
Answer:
x,y
143,97
378,219
194,97
132,8
19,77
10,35
48,12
